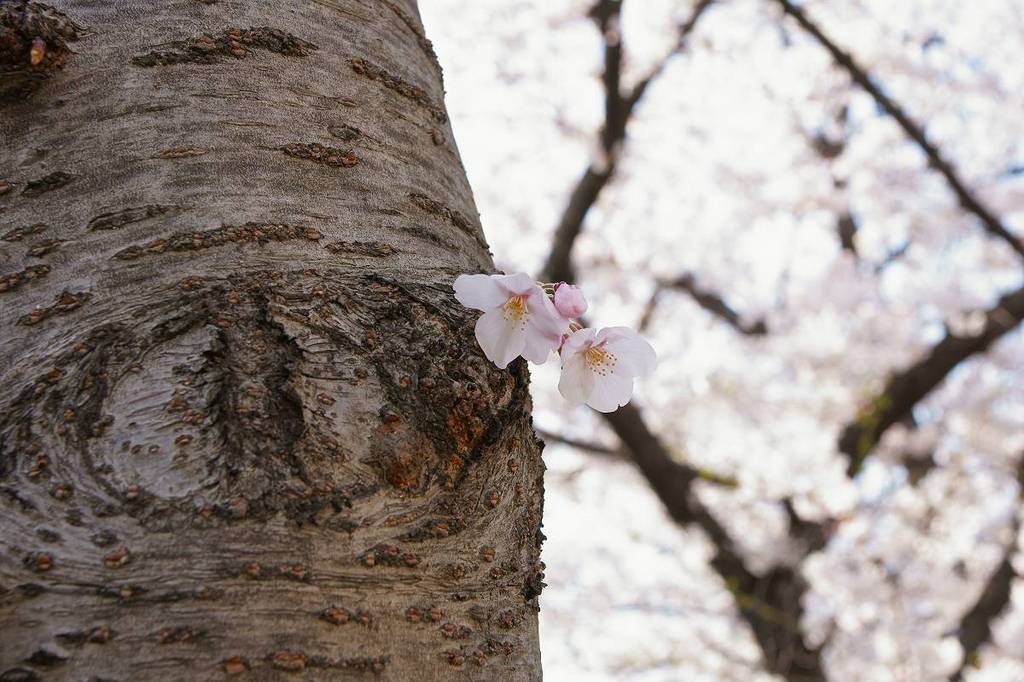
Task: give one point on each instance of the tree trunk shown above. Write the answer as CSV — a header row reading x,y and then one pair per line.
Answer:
x,y
244,426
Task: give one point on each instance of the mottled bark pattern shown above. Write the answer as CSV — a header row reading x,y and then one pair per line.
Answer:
x,y
244,427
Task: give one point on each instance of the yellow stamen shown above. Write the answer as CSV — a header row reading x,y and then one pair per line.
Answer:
x,y
515,310
599,360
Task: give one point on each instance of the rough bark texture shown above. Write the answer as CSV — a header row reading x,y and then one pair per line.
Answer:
x,y
244,427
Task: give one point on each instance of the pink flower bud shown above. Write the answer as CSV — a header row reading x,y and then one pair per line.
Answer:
x,y
569,301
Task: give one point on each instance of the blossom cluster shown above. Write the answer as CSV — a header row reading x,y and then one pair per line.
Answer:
x,y
531,319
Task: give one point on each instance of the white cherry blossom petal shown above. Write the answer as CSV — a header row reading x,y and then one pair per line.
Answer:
x,y
544,318
611,391
502,339
480,292
518,284
576,382
598,367
539,346
577,341
634,354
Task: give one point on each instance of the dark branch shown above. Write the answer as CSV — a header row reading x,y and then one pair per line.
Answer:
x,y
918,465
709,301
893,256
913,130
558,267
975,628
619,108
770,603
813,536
908,387
608,15
829,148
589,446
685,29
846,228
620,453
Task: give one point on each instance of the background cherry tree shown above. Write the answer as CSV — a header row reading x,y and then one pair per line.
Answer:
x,y
811,209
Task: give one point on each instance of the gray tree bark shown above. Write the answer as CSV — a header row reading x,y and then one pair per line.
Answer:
x,y
244,427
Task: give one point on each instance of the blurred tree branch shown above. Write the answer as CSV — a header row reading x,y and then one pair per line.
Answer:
x,y
830,148
975,628
620,453
908,387
619,108
589,446
905,389
913,130
770,603
706,299
893,256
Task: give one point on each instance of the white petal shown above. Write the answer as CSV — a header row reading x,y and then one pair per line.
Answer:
x,y
517,284
539,346
577,342
544,316
501,340
576,382
480,292
635,357
611,391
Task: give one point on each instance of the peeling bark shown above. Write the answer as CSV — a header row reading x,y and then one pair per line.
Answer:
x,y
244,426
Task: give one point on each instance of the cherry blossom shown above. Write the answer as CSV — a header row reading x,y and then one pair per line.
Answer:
x,y
523,317
519,318
569,300
598,367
